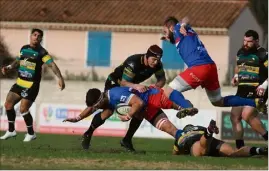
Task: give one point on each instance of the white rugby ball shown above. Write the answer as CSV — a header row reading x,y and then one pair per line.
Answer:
x,y
122,109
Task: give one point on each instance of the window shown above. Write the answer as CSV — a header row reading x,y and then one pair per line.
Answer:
x,y
99,49
171,59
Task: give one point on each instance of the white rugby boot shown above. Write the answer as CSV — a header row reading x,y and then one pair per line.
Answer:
x,y
29,137
8,135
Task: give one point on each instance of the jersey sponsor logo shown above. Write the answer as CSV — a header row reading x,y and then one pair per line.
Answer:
x,y
123,98
24,93
27,64
195,77
25,74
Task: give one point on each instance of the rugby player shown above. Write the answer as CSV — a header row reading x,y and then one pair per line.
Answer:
x,y
198,141
147,104
202,70
29,66
134,70
251,79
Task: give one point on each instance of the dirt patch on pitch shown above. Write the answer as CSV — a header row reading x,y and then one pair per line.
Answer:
x,y
70,163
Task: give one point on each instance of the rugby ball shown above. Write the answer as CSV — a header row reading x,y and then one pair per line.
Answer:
x,y
122,109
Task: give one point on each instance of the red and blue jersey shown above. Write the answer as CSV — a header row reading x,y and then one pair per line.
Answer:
x,y
190,47
118,95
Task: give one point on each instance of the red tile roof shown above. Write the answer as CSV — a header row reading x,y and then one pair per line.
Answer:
x,y
202,13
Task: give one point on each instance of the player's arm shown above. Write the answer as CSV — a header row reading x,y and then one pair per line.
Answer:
x,y
47,59
235,80
262,88
14,65
136,106
84,114
127,79
161,79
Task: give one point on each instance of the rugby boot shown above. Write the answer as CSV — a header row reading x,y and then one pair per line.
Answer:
x,y
212,128
128,145
182,113
29,137
8,135
85,143
263,151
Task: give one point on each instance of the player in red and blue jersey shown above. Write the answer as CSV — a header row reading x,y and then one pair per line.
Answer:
x,y
202,70
146,105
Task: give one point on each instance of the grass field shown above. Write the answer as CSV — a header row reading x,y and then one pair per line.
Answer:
x,y
64,152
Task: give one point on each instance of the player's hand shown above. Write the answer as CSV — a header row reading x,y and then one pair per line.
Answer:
x,y
260,91
183,30
5,70
235,81
141,88
124,118
61,84
73,120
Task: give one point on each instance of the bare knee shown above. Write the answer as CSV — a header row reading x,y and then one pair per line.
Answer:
x,y
247,115
235,118
9,105
24,109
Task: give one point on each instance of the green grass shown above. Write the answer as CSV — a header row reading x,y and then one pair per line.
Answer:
x,y
64,152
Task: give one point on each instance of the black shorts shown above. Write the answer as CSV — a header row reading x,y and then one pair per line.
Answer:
x,y
110,84
250,92
26,93
154,117
214,147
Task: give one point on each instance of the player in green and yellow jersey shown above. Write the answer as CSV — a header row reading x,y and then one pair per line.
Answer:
x,y
251,79
29,66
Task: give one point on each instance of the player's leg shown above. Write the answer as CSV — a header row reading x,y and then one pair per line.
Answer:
x,y
201,148
126,142
29,96
28,119
184,107
250,115
227,150
11,99
238,130
213,91
98,120
161,122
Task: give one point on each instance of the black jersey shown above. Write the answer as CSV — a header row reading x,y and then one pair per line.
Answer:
x,y
134,70
252,67
31,61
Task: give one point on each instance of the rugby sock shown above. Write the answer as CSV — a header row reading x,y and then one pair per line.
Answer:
x,y
265,136
254,151
178,133
239,143
134,125
229,101
178,98
208,134
29,122
96,122
11,115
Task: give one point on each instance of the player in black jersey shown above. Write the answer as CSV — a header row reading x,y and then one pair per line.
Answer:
x,y
251,79
134,70
198,141
138,68
29,65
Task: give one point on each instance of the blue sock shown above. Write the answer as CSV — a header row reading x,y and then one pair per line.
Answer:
x,y
178,98
178,133
230,101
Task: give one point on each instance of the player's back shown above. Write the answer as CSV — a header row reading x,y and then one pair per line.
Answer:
x,y
118,95
190,48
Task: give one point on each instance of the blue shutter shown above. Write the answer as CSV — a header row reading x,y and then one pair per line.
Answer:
x,y
171,59
99,48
